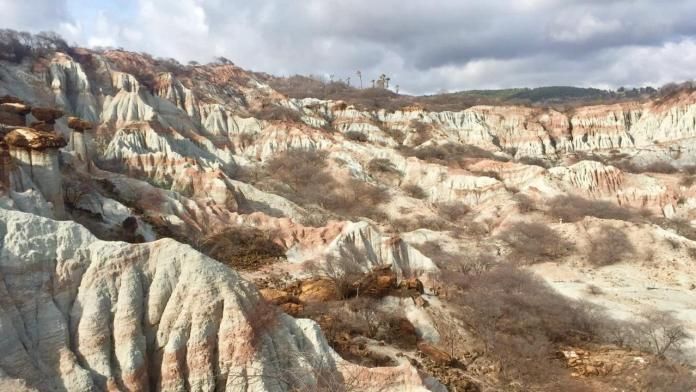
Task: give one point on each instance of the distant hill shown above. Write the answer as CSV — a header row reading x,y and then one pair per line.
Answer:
x,y
561,97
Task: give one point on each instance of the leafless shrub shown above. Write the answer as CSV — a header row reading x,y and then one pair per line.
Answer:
x,y
271,112
243,247
75,191
666,377
489,173
661,333
356,136
594,290
422,130
535,162
610,246
343,270
450,154
303,178
574,208
660,167
381,165
524,202
534,242
679,226
414,191
519,320
453,211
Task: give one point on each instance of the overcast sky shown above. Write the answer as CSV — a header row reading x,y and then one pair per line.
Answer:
x,y
423,45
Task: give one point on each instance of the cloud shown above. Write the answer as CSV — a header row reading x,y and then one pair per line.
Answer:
x,y
423,46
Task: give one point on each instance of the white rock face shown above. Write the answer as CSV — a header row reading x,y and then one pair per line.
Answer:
x,y
81,314
43,172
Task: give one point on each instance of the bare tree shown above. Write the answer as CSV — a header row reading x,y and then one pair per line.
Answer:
x,y
661,333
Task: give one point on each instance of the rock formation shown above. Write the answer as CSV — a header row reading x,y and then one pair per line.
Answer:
x,y
83,314
78,140
36,154
46,118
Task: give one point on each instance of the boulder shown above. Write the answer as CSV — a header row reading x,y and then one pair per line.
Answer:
x,y
277,297
79,125
10,99
34,139
18,108
318,290
292,309
42,126
435,354
412,284
47,115
378,283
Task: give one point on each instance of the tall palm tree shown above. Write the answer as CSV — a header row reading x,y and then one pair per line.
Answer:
x,y
359,76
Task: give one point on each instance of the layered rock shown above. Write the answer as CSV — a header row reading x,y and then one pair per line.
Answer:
x,y
36,154
83,314
78,141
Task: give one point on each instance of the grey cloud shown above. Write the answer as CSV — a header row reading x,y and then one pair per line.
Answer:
x,y
424,46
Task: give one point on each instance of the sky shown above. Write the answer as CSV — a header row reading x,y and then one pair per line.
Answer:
x,y
424,46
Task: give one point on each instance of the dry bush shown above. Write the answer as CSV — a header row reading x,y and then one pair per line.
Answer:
x,y
303,178
453,211
381,165
610,246
245,248
520,321
356,136
343,270
272,112
661,334
593,290
532,161
489,173
422,130
679,226
574,208
666,377
450,154
660,167
405,225
414,191
534,242
524,202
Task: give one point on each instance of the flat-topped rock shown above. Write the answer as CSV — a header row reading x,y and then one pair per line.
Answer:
x,y
10,99
48,115
15,107
78,124
33,139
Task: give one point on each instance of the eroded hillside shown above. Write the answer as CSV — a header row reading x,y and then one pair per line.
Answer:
x,y
490,248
